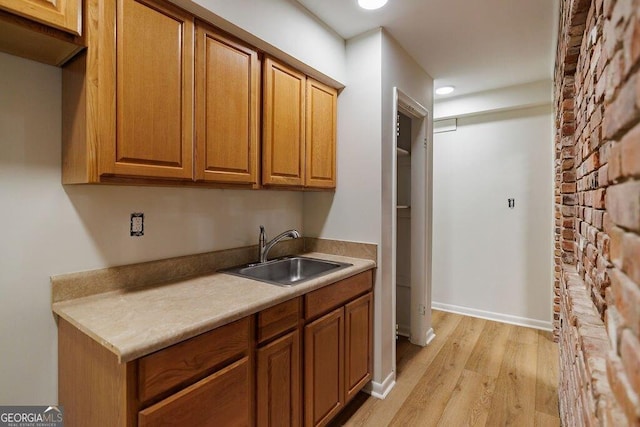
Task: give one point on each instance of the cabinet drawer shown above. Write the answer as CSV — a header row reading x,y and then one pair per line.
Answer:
x,y
332,296
278,319
221,399
192,359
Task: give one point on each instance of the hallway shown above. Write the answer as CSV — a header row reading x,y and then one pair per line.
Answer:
x,y
476,372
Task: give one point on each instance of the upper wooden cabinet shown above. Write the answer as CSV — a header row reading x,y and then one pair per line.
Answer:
x,y
128,100
320,147
154,92
160,98
283,125
299,129
227,109
42,30
65,15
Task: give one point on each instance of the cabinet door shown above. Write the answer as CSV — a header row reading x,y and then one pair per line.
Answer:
x,y
320,151
278,393
227,90
324,368
154,93
63,14
221,399
283,125
358,344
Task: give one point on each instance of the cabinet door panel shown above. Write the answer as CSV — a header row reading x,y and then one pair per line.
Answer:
x,y
320,136
154,91
283,133
227,85
358,344
278,392
324,368
221,399
63,14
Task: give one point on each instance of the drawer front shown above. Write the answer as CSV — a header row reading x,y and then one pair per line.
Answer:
x,y
332,296
192,359
279,319
221,399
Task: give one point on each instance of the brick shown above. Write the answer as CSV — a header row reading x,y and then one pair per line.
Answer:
x,y
630,356
627,298
615,245
630,152
623,204
568,187
631,256
620,114
615,164
568,164
614,327
622,390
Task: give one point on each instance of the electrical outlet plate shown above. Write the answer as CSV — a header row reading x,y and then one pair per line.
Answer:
x,y
137,224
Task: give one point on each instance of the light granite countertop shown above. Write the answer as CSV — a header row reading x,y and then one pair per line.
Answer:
x,y
136,322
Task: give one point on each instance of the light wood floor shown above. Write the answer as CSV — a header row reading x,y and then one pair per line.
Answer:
x,y
474,373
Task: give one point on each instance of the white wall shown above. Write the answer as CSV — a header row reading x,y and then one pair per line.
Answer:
x,y
507,98
375,64
401,71
489,260
49,229
283,28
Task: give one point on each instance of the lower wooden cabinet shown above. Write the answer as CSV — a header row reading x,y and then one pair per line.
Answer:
x,y
324,368
296,363
358,344
338,359
278,382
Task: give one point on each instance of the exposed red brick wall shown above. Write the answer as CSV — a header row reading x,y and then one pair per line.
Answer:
x,y
597,216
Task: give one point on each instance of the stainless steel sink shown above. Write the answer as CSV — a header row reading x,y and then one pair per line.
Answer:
x,y
288,271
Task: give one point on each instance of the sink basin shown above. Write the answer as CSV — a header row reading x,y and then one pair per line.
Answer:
x,y
287,271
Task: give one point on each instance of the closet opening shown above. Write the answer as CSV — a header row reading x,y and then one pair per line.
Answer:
x,y
411,245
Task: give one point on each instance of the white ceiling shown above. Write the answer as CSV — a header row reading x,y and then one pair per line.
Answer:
x,y
474,45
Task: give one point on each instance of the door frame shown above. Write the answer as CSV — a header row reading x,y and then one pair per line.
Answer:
x,y
421,332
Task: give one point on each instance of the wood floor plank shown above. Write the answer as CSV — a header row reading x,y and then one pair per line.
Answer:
x,y
547,375
513,402
501,375
486,358
430,396
546,420
470,401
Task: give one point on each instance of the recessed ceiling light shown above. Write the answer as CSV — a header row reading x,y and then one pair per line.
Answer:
x,y
371,4
445,90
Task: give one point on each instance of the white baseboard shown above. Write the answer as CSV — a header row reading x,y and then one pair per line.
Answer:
x,y
381,390
498,317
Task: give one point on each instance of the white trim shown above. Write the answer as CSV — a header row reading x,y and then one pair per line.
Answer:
x,y
498,317
381,390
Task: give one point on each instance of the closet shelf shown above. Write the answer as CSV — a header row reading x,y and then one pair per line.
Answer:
x,y
402,152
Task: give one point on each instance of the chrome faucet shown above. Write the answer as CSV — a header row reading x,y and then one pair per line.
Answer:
x,y
266,247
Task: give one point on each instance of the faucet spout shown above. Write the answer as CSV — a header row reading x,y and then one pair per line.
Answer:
x,y
266,247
